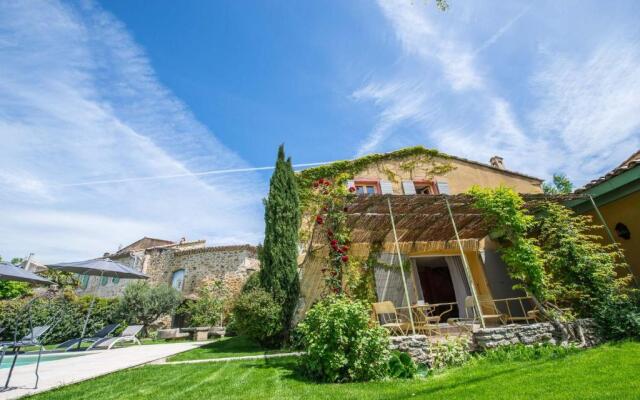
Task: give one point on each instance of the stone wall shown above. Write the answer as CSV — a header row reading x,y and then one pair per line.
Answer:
x,y
231,264
417,346
581,332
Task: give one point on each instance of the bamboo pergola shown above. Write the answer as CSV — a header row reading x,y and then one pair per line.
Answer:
x,y
450,221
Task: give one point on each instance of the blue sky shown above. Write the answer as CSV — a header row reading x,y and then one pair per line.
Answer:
x,y
101,91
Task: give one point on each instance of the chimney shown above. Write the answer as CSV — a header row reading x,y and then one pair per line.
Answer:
x,y
496,162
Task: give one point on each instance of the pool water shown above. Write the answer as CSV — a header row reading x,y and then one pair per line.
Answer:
x,y
28,359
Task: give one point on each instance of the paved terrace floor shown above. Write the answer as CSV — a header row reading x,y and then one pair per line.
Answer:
x,y
90,365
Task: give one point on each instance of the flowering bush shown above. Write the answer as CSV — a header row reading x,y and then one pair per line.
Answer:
x,y
341,343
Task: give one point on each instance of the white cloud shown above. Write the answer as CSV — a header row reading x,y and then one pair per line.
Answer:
x,y
81,102
589,106
450,89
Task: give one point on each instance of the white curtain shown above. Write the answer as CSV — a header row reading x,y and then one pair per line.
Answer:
x,y
460,283
389,282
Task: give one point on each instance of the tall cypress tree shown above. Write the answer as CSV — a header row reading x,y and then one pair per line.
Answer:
x,y
279,269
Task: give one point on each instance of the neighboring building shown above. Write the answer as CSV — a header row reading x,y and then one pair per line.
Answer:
x,y
183,264
617,195
425,232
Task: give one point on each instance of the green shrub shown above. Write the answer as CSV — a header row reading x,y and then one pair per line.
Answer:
x,y
450,353
143,303
341,344
257,316
401,365
13,290
521,352
65,314
209,308
252,282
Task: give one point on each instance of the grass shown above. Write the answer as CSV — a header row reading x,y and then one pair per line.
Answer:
x,y
607,372
236,346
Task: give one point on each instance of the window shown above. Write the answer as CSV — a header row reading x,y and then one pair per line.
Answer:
x,y
104,280
367,187
622,231
177,280
425,187
84,280
115,280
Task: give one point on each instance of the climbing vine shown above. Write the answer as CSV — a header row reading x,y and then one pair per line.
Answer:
x,y
428,161
412,159
555,256
504,211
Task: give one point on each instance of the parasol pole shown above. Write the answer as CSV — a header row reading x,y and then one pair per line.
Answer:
x,y
404,281
467,270
86,320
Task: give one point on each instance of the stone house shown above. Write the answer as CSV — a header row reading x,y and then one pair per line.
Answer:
x,y
183,265
443,270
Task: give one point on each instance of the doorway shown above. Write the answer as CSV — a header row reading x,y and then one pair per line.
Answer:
x,y
436,284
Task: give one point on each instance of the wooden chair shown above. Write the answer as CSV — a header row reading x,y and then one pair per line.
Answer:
x,y
493,314
427,319
387,315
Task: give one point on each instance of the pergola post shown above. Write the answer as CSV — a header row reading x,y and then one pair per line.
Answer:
x,y
404,281
467,270
611,237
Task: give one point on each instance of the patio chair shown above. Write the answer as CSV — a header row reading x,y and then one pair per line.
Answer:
x,y
128,335
387,315
76,342
33,338
427,319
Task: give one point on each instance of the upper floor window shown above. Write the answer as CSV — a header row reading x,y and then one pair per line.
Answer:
x,y
177,280
425,187
367,187
419,187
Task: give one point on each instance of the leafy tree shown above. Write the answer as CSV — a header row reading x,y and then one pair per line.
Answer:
x,y
560,185
11,289
209,308
143,303
279,265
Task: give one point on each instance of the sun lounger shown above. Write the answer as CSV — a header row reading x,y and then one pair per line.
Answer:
x,y
128,335
31,339
76,342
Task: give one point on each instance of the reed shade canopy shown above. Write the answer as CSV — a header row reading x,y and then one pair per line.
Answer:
x,y
99,267
9,272
425,218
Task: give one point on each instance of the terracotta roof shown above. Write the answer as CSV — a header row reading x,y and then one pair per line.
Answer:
x,y
506,171
626,165
144,243
240,247
423,218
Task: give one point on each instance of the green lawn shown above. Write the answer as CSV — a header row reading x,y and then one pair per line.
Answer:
x,y
236,346
608,372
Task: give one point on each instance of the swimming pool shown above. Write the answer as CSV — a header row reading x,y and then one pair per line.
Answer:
x,y
28,359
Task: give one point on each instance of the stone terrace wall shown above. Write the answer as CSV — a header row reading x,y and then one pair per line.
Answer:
x,y
581,332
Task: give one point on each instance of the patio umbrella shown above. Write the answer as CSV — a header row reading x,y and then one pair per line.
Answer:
x,y
9,272
98,267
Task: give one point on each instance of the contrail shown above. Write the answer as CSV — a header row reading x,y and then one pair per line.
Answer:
x,y
184,175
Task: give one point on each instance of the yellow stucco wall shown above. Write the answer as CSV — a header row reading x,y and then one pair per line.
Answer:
x,y
460,179
627,211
